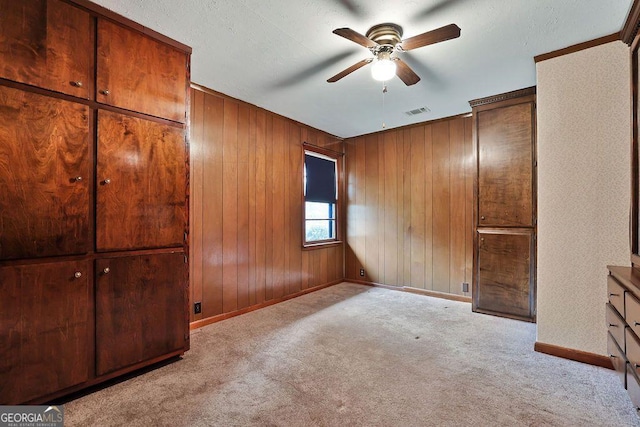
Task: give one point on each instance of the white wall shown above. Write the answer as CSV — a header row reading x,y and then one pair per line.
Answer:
x,y
583,190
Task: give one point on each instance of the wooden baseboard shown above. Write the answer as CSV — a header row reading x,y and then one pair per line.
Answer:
x,y
571,354
213,319
435,294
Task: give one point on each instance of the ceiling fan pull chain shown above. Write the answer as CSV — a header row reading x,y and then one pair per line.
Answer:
x,y
384,91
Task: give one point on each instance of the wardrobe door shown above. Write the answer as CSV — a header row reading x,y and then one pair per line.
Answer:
x,y
46,331
141,194
44,176
505,280
140,309
47,43
139,73
505,166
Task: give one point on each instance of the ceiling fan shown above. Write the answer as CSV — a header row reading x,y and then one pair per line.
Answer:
x,y
384,41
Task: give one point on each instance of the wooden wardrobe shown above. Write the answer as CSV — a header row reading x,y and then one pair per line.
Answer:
x,y
93,207
505,205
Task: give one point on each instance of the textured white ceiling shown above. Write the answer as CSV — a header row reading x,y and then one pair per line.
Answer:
x,y
278,54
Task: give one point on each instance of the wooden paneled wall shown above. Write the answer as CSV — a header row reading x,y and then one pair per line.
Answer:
x,y
409,206
246,206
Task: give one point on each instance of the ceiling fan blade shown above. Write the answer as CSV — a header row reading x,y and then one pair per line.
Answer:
x,y
349,6
405,73
354,36
447,32
349,70
436,7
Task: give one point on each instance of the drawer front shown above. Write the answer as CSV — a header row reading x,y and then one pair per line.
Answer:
x,y
632,350
616,325
633,388
617,358
632,312
616,294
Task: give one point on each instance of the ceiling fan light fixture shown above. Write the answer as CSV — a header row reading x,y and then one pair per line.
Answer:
x,y
383,68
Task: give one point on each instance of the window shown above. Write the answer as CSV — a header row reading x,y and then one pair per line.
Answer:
x,y
320,198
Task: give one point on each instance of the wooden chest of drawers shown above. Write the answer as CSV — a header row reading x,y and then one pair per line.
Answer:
x,y
623,323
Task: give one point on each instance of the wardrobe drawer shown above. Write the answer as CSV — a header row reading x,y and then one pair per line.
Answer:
x,y
616,294
617,359
632,312
616,326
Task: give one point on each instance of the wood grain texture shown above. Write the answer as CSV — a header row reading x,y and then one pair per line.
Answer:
x,y
140,73
504,283
143,205
441,206
251,209
196,139
47,44
46,338
140,309
505,166
411,190
505,203
44,148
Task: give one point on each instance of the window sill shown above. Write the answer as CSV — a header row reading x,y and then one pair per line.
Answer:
x,y
321,245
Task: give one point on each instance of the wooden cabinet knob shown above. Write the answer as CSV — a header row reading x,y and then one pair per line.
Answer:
x,y
77,275
482,218
106,181
105,92
76,84
106,270
77,179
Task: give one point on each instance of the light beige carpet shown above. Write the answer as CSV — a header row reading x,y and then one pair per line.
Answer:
x,y
352,355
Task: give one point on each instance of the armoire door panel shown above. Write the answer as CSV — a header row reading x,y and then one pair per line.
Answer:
x,y
47,43
139,73
46,334
140,309
505,166
44,176
504,273
141,184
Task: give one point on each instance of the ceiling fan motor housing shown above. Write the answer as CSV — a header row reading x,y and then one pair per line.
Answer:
x,y
385,34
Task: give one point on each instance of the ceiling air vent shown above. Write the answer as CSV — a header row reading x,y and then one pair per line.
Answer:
x,y
417,111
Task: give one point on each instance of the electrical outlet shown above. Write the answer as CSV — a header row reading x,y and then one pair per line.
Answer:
x,y
197,308
362,272
465,287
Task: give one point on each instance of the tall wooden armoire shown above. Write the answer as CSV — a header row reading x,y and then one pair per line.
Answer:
x,y
505,205
93,197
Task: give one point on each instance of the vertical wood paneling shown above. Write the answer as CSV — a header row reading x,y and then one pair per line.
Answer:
x,y
211,207
243,205
417,218
196,140
352,206
359,245
230,206
246,207
428,212
277,207
391,208
261,213
372,224
252,232
411,222
469,167
404,226
457,206
441,211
